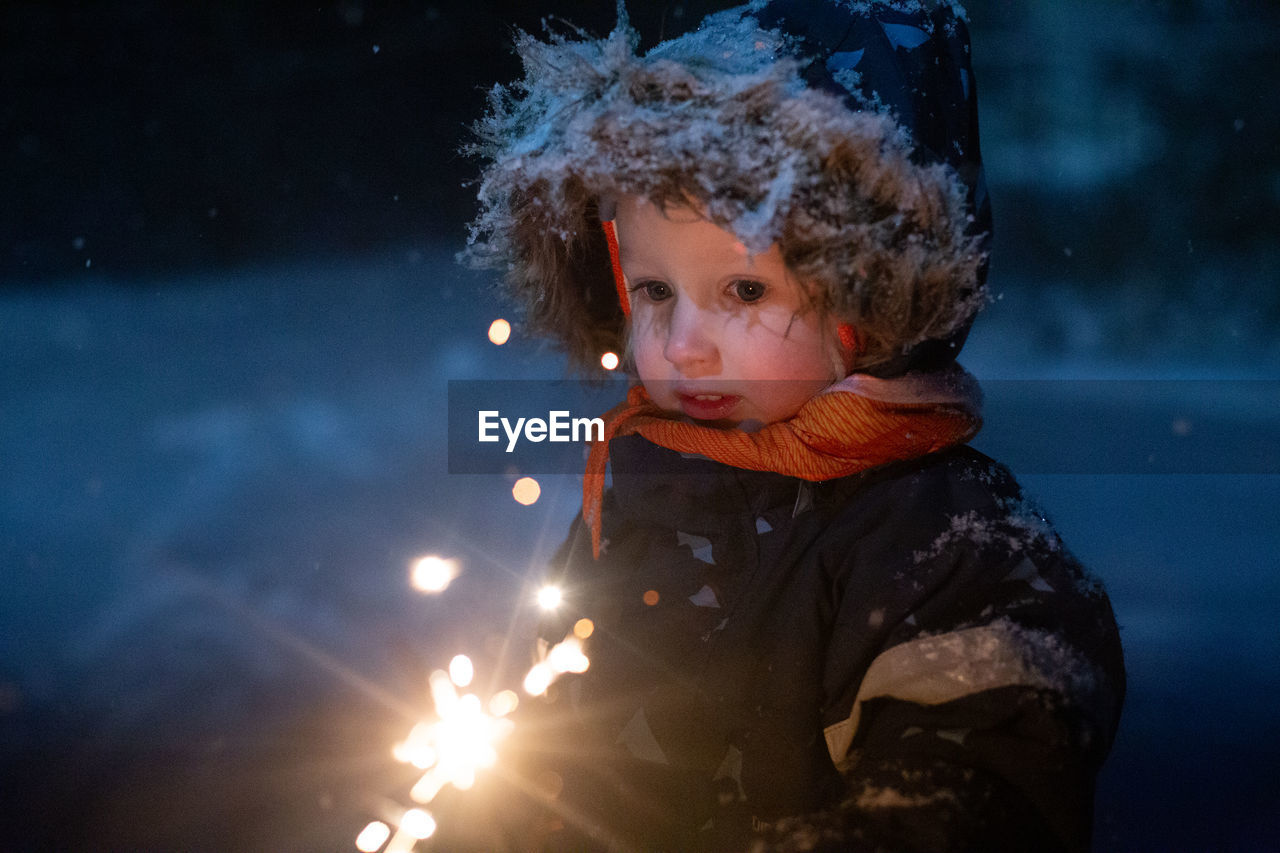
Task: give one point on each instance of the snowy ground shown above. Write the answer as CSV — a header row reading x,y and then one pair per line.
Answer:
x,y
210,493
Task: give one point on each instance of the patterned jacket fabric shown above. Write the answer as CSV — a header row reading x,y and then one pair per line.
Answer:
x,y
904,659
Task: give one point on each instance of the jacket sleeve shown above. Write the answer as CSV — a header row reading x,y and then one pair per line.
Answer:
x,y
974,687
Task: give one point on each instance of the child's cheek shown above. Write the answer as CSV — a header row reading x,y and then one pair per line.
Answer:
x,y
645,341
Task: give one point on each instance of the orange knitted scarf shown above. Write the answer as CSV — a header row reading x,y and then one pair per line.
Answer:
x,y
856,424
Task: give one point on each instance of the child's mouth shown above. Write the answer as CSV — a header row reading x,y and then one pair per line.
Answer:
x,y
708,407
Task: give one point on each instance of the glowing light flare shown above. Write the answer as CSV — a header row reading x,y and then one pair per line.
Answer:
x,y
526,491
469,708
415,825
499,331
567,656
461,670
583,628
461,742
464,779
426,788
372,837
432,574
443,694
549,597
418,823
609,361
503,703
417,749
539,679
401,842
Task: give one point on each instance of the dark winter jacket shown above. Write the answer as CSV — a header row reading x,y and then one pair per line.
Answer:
x,y
905,659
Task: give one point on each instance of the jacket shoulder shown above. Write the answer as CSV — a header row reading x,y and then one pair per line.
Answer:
x,y
967,635
926,516
951,542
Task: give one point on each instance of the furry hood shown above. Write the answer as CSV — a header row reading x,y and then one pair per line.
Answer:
x,y
832,129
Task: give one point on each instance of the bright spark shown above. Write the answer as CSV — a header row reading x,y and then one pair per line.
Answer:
x,y
461,670
539,679
462,741
609,361
432,574
401,842
549,597
418,823
418,748
526,491
567,656
499,331
372,837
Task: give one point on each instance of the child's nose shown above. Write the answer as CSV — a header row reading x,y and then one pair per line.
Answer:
x,y
690,346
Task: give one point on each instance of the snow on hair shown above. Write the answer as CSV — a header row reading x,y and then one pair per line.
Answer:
x,y
719,120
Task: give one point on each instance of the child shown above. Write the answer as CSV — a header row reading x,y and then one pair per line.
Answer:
x,y
820,620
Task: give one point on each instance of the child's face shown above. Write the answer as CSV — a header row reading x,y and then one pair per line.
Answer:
x,y
716,333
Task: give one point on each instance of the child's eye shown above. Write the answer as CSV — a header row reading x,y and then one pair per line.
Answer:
x,y
655,291
748,290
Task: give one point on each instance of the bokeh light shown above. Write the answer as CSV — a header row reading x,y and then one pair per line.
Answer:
x,y
499,331
526,491
432,574
418,823
567,656
583,628
372,837
503,703
609,361
461,670
539,679
417,748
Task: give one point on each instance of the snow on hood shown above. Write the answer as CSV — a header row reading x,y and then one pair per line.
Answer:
x,y
772,134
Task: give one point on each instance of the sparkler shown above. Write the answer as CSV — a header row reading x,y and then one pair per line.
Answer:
x,y
463,738
450,749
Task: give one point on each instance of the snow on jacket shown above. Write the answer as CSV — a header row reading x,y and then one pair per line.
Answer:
x,y
905,659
